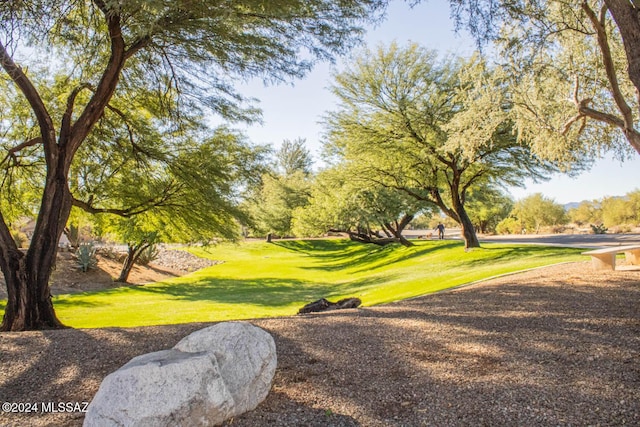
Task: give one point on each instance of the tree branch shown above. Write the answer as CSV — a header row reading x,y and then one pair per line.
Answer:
x,y
107,85
11,153
65,127
609,66
163,200
47,130
123,116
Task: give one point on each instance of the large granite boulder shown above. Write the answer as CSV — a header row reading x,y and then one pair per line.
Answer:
x,y
211,375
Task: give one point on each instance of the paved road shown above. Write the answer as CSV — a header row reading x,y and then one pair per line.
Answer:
x,y
573,240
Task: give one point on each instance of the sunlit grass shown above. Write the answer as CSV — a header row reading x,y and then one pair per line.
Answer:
x,y
257,279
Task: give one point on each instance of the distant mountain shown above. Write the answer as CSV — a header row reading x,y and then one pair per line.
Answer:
x,y
571,205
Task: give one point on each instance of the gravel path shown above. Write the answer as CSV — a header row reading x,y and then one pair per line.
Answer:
x,y
555,346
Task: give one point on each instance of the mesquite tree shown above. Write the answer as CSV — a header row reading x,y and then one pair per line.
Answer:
x,y
106,52
368,213
428,128
186,193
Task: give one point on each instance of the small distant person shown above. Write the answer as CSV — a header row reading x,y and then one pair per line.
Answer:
x,y
440,228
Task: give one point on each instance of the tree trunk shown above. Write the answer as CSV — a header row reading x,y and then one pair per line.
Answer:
x,y
29,305
468,231
359,236
397,229
133,253
625,14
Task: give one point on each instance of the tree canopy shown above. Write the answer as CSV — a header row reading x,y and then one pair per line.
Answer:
x,y
281,190
342,202
575,71
429,128
537,211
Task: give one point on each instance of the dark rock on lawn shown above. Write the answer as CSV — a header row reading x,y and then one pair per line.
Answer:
x,y
325,305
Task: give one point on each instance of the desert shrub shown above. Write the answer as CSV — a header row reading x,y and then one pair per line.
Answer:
x,y
86,256
559,229
112,253
148,255
623,228
598,229
509,226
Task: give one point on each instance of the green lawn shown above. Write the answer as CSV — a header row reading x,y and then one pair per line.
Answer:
x,y
258,279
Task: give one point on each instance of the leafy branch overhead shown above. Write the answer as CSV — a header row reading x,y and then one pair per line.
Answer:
x,y
574,68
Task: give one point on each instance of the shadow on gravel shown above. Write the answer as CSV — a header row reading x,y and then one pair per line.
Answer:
x,y
547,353
535,352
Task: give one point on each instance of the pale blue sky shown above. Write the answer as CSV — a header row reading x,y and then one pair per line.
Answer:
x,y
293,111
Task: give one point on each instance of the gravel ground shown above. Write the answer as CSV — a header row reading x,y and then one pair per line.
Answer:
x,y
557,346
182,261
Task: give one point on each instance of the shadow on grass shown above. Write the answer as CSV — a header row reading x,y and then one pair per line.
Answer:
x,y
268,292
509,253
339,254
334,255
62,301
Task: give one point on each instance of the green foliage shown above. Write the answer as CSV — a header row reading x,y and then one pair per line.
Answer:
x,y
510,225
293,273
423,221
273,206
193,59
537,211
281,192
619,211
293,157
586,212
340,200
599,229
623,213
86,256
426,127
487,207
186,192
569,74
20,238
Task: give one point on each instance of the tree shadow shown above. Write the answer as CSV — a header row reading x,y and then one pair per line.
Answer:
x,y
512,353
335,255
264,291
541,352
306,414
